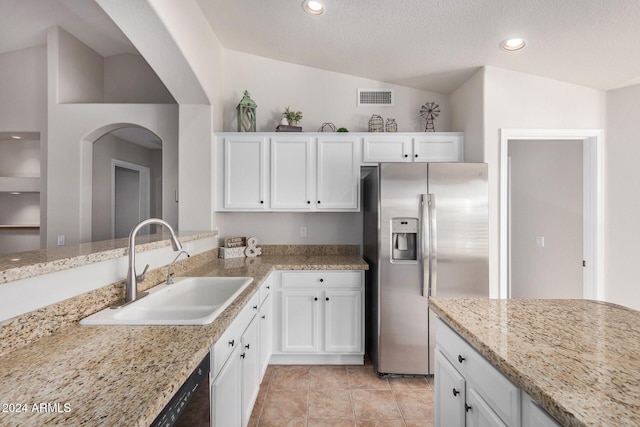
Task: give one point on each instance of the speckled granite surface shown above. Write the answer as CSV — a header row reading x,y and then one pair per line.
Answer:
x,y
23,265
580,360
124,375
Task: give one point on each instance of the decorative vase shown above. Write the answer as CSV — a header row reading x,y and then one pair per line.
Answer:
x,y
293,123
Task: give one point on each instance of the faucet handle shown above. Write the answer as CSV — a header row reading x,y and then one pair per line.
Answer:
x,y
140,277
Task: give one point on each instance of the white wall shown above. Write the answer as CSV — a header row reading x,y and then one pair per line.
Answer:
x,y
546,201
622,210
129,79
81,71
517,100
23,90
467,111
340,228
322,96
200,48
72,129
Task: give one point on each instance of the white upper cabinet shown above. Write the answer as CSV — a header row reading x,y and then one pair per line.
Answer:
x,y
338,174
245,172
387,148
424,147
292,171
438,147
306,172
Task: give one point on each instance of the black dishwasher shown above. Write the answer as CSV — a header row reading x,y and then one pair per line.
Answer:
x,y
191,405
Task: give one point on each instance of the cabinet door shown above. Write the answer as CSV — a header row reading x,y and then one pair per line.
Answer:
x,y
449,394
338,176
479,414
291,173
387,148
437,147
226,393
266,333
250,356
535,416
300,321
343,321
245,173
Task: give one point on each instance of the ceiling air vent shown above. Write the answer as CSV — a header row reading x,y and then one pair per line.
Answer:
x,y
375,98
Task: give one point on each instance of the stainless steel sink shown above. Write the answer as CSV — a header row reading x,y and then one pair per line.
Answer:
x,y
188,301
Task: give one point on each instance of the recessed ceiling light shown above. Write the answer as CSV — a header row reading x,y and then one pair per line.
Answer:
x,y
313,7
513,44
15,193
16,137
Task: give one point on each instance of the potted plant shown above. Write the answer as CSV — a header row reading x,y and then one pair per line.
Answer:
x,y
293,117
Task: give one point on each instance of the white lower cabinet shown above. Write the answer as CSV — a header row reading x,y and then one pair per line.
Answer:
x,y
479,413
450,394
250,360
265,326
534,416
471,392
238,361
226,393
320,317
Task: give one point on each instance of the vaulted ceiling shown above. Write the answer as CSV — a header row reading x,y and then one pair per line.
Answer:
x,y
427,44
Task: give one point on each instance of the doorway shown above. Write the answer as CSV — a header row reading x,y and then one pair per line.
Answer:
x,y
590,155
130,197
545,219
126,181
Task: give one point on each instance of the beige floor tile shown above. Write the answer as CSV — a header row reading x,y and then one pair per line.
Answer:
x,y
257,406
415,404
284,404
366,378
334,404
380,423
430,381
375,405
290,377
328,377
419,423
409,383
330,423
285,422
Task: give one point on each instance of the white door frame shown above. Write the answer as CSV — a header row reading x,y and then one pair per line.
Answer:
x,y
145,189
593,202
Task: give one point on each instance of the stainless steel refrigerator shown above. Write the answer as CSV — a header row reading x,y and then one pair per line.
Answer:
x,y
425,235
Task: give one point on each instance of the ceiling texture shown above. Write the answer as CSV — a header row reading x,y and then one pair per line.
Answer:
x,y
432,45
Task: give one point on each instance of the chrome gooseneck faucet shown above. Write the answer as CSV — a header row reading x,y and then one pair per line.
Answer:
x,y
133,278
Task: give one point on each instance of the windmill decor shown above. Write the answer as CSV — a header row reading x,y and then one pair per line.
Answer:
x,y
430,111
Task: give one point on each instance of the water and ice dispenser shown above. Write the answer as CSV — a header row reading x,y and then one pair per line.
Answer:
x,y
404,239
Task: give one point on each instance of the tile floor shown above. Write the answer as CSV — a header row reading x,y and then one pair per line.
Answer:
x,y
336,396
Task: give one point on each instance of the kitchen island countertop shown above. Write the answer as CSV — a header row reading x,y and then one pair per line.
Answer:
x,y
579,359
125,375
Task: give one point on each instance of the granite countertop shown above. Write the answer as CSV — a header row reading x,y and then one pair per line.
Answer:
x,y
579,359
125,375
23,265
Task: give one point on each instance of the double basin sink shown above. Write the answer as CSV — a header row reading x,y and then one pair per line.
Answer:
x,y
188,301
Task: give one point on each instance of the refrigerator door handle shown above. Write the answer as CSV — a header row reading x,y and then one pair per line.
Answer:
x,y
425,246
433,246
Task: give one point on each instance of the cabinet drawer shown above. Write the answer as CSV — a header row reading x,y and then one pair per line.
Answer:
x,y
322,279
230,339
500,394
